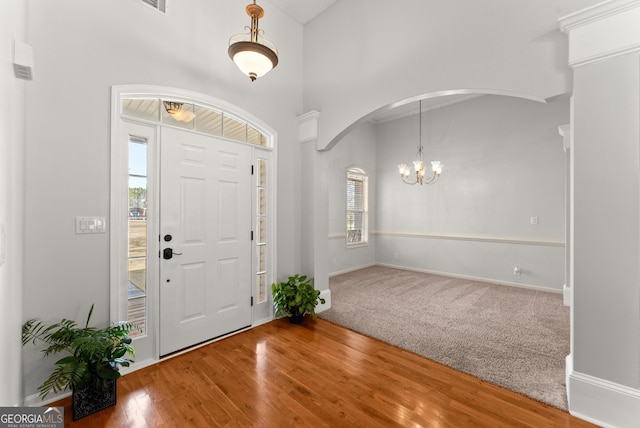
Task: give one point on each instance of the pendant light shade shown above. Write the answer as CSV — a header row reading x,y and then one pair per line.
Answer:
x,y
254,55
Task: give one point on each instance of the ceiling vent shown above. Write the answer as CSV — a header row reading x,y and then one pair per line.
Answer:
x,y
156,4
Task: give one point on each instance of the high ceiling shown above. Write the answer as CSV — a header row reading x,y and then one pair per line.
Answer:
x,y
303,10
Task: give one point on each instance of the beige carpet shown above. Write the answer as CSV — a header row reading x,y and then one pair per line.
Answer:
x,y
512,337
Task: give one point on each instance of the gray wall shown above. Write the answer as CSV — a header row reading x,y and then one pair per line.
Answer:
x,y
504,163
358,149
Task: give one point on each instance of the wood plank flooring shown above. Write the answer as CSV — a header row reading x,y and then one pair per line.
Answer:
x,y
316,374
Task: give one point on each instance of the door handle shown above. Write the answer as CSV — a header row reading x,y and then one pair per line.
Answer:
x,y
168,253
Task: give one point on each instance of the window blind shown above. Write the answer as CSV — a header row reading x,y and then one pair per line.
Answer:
x,y
356,207
156,4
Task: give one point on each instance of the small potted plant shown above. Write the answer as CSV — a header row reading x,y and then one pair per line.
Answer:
x,y
93,363
295,298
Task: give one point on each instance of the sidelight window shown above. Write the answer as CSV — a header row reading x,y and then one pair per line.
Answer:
x,y
261,231
137,234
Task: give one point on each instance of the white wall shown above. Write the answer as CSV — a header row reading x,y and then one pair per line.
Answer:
x,y
81,49
357,149
503,164
362,55
12,142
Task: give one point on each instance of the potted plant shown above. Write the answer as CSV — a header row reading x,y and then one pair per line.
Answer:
x,y
93,363
295,298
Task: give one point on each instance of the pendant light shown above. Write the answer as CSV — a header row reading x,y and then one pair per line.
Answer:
x,y
254,55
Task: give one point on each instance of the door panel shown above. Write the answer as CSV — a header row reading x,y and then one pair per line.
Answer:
x,y
205,205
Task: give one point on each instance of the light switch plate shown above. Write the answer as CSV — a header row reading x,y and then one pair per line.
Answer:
x,y
91,225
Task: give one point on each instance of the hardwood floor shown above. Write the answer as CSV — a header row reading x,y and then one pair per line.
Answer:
x,y
316,374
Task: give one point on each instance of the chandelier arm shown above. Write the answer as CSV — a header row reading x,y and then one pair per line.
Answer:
x,y
406,180
432,179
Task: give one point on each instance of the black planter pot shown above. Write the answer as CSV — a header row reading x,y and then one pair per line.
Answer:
x,y
296,319
88,400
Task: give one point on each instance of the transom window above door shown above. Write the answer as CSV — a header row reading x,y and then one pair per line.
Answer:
x,y
194,117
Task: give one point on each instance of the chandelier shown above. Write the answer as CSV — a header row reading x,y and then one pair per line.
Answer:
x,y
254,55
420,176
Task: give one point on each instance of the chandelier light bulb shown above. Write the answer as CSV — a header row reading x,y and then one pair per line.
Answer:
x,y
436,166
404,169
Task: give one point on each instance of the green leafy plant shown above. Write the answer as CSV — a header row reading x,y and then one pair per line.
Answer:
x,y
95,354
296,297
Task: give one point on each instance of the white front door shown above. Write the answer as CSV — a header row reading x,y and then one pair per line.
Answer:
x,y
205,222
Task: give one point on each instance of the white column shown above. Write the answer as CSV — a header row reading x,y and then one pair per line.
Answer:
x,y
604,367
315,215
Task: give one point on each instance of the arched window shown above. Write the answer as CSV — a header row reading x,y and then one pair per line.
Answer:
x,y
357,207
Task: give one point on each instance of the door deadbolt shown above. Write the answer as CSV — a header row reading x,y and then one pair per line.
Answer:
x,y
168,238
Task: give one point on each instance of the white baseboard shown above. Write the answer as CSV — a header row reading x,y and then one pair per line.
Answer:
x,y
567,298
568,369
601,402
326,295
33,400
351,269
474,278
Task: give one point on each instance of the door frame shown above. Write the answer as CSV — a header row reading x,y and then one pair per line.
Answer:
x,y
147,347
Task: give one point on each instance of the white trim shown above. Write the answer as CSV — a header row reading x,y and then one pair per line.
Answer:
x,y
597,400
567,295
308,126
351,269
480,238
603,31
464,237
119,175
326,295
151,91
595,13
473,278
565,133
33,400
324,146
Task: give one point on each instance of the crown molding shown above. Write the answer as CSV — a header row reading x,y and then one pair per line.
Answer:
x,y
596,12
603,31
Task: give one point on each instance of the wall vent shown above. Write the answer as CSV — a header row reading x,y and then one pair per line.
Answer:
x,y
157,4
